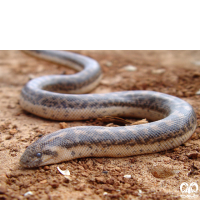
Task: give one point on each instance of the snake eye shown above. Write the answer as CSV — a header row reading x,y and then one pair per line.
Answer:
x,y
39,155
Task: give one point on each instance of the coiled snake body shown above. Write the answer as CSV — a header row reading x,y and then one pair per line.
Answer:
x,y
174,120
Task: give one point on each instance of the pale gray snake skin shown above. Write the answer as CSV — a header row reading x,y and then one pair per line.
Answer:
x,y
173,119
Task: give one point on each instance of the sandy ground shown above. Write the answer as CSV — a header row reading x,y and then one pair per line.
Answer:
x,y
153,176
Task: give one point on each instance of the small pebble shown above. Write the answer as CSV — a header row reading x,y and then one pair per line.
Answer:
x,y
118,169
132,160
63,125
105,172
91,179
66,180
14,126
54,184
46,168
130,68
194,155
8,137
12,131
127,176
43,181
80,187
110,181
198,92
85,174
158,71
108,64
100,180
28,193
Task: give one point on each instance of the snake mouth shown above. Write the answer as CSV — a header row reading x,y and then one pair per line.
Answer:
x,y
29,165
35,162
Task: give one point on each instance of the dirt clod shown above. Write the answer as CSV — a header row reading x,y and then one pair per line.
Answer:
x,y
100,180
54,183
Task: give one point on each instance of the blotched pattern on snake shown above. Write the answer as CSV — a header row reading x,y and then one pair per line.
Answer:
x,y
173,119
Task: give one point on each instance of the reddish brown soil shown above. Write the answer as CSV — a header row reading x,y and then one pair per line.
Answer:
x,y
153,176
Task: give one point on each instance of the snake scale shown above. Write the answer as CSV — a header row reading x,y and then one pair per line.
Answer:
x,y
63,98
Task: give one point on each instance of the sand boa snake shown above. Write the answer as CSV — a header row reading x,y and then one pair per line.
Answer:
x,y
174,120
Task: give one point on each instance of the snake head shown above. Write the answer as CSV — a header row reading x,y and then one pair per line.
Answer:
x,y
32,157
37,154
